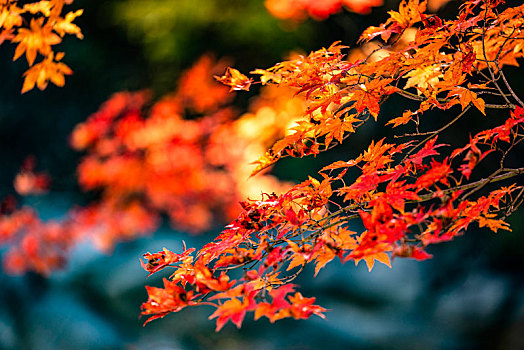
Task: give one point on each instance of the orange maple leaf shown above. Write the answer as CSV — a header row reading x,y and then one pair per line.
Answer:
x,y
366,99
45,71
36,39
233,309
466,96
10,17
235,79
493,224
408,13
406,118
65,25
370,94
370,260
43,7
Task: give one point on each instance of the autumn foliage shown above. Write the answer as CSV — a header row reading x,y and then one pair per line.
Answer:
x,y
36,27
398,196
193,158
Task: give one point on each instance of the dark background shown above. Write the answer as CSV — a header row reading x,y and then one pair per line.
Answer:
x,y
470,296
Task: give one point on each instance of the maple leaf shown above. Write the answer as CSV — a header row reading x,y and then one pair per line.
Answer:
x,y
408,13
278,308
493,224
6,35
206,282
297,307
158,261
437,172
466,97
42,6
369,95
339,164
303,308
427,150
385,33
162,301
65,25
301,255
365,99
369,249
374,154
397,193
371,258
472,157
234,310
48,70
10,17
235,79
267,76
404,119
36,39
322,257
336,128
424,77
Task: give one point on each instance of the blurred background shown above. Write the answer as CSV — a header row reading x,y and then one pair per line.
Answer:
x,y
469,296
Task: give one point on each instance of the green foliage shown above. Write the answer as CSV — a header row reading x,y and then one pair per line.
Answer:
x,y
171,31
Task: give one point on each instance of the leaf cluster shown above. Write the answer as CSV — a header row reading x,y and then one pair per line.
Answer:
x,y
37,27
405,195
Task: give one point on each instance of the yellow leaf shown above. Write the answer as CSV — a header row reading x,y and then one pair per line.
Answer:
x,y
423,77
65,25
42,6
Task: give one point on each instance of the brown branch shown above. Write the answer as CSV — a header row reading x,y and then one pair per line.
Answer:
x,y
431,133
509,173
510,89
414,97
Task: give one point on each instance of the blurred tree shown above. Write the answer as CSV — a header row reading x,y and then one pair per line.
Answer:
x,y
185,156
